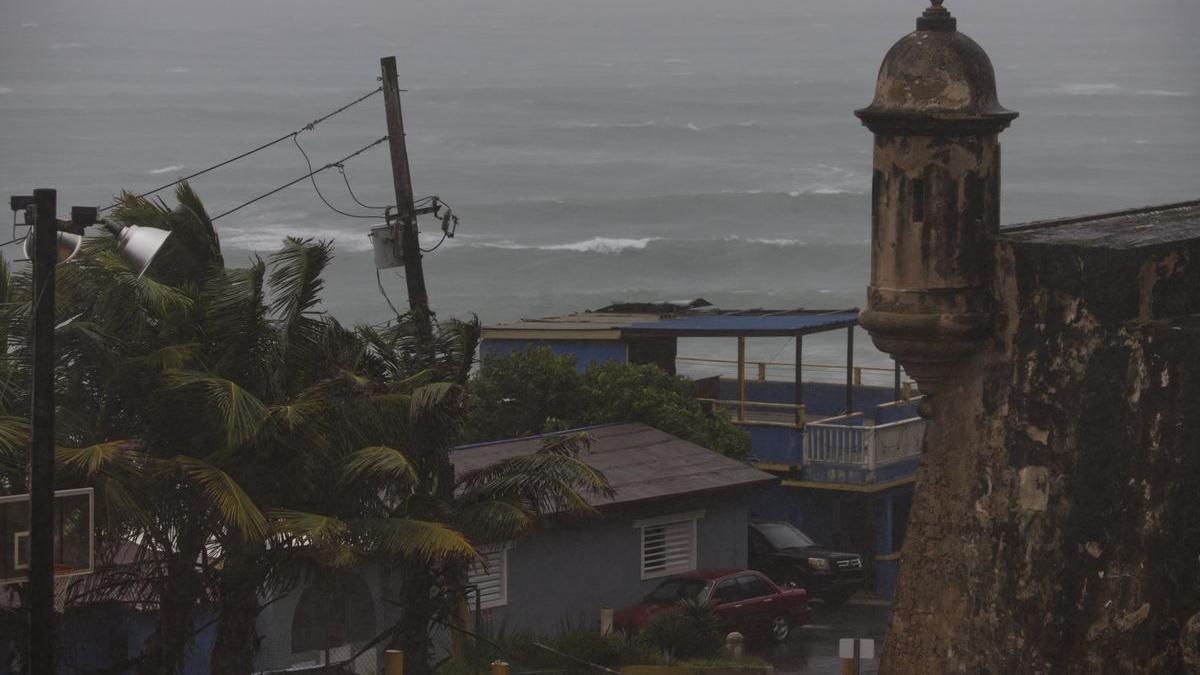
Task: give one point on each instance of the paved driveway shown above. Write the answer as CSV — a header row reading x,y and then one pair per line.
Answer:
x,y
813,650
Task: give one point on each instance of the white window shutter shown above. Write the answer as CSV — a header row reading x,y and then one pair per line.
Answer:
x,y
668,548
490,575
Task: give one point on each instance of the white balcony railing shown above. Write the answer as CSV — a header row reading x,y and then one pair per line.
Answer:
x,y
867,446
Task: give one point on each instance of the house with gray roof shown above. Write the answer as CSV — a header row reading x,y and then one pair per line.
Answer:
x,y
676,507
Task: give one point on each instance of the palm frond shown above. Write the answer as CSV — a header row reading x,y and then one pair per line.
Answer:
x,y
14,444
171,357
91,460
408,537
325,536
378,461
312,526
237,510
296,276
432,402
548,482
241,413
495,520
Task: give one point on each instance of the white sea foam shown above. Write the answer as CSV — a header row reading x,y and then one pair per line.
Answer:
x,y
178,70
593,245
165,169
29,24
1164,92
5,90
68,45
662,124
778,242
825,190
767,241
1086,88
1108,89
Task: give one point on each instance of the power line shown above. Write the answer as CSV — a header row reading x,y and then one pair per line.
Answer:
x,y
312,176
301,178
264,146
342,170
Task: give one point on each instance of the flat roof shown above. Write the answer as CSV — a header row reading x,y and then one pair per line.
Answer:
x,y
640,462
735,324
703,322
1119,230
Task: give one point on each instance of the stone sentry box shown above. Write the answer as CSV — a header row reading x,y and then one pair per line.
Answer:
x,y
935,197
1054,522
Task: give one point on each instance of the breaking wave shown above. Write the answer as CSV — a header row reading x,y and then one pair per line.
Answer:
x,y
1108,89
661,124
593,245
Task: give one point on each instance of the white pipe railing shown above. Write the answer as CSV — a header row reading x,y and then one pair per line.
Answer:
x,y
867,446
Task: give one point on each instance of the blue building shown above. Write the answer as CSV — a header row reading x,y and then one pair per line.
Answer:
x,y
846,453
677,507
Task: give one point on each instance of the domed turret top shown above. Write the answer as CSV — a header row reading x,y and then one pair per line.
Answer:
x,y
936,80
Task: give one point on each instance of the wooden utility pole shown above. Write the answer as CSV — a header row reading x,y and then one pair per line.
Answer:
x,y
41,481
410,243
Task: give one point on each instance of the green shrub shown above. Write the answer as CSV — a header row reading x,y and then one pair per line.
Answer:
x,y
688,630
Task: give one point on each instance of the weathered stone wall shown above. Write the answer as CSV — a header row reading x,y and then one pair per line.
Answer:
x,y
1056,522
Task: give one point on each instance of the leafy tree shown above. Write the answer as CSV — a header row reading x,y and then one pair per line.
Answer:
x,y
515,395
534,391
247,440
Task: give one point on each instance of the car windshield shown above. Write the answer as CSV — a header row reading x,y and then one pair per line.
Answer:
x,y
673,590
784,535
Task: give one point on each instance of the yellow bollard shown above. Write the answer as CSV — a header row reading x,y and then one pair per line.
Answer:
x,y
606,620
499,667
393,662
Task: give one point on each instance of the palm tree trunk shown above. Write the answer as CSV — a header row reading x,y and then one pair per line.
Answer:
x,y
418,608
237,618
166,648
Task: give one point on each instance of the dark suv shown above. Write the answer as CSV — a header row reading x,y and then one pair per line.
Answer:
x,y
787,555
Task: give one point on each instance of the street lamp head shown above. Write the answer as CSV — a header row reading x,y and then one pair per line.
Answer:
x,y
68,245
137,245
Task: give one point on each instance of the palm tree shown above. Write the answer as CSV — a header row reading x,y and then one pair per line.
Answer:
x,y
246,441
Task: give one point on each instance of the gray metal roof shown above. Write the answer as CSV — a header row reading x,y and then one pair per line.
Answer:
x,y
697,322
732,324
1135,228
640,462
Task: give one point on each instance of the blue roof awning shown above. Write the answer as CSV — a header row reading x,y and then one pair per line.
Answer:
x,y
733,325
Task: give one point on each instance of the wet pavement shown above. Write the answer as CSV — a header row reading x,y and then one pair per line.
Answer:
x,y
813,649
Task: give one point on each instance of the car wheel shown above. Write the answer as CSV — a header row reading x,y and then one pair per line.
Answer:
x,y
781,627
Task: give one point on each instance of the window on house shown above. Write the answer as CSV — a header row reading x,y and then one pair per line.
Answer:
x,y
490,575
668,544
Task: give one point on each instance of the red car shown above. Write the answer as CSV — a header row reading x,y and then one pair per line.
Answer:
x,y
744,600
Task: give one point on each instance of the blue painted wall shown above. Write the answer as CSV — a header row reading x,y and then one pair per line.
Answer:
x,y
820,398
586,352
567,574
811,510
97,637
275,623
776,444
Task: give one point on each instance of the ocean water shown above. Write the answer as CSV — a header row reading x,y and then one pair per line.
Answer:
x,y
595,151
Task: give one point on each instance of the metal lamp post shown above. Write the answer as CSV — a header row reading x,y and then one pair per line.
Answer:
x,y
46,246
